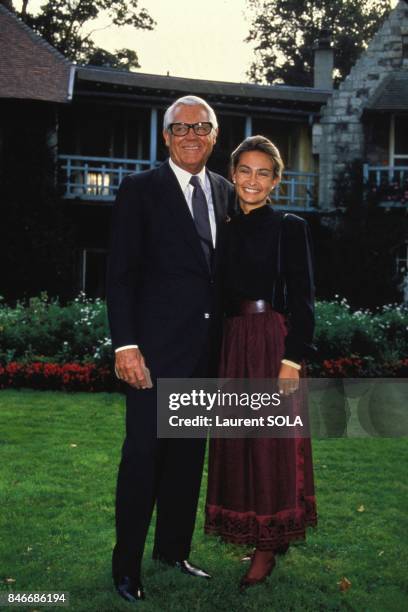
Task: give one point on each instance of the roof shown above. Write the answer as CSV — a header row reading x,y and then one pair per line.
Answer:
x,y
30,68
171,86
37,71
36,38
392,94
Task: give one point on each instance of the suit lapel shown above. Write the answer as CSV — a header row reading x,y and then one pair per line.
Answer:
x,y
170,192
219,198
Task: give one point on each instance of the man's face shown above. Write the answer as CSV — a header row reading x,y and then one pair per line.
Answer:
x,y
190,152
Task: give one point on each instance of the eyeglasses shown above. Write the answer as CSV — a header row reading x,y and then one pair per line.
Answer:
x,y
262,173
203,128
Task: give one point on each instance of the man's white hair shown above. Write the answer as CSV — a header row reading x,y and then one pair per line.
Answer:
x,y
189,101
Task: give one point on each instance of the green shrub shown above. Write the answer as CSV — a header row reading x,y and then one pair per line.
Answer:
x,y
44,330
381,335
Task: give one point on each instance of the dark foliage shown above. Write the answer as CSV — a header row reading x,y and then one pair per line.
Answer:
x,y
66,25
284,33
359,242
36,237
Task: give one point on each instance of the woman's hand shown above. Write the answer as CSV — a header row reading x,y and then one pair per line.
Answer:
x,y
288,379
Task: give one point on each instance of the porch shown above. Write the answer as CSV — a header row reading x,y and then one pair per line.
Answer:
x,y
97,179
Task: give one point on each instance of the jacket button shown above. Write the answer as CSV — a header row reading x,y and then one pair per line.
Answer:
x,y
206,315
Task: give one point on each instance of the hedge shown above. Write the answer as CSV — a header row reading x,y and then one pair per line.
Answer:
x,y
49,345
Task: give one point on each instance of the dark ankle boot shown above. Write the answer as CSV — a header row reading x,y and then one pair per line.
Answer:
x,y
262,564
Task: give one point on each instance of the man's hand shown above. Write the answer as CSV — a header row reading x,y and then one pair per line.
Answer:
x,y
131,368
288,379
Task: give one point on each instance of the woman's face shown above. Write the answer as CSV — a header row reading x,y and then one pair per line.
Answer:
x,y
254,179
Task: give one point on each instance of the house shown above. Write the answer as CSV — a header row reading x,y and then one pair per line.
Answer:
x,y
366,118
103,123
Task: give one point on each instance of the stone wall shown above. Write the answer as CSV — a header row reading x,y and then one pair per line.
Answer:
x,y
339,138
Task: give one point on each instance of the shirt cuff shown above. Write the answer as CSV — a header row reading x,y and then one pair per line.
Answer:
x,y
128,346
292,364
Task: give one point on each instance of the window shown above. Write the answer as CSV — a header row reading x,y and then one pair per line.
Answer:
x,y
399,140
98,184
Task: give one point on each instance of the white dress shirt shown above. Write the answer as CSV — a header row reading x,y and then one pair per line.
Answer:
x,y
183,178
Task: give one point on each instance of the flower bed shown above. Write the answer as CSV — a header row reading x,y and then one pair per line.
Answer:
x,y
92,377
45,345
358,367
53,376
44,330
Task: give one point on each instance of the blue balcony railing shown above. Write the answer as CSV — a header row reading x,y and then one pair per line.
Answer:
x,y
297,190
389,184
98,179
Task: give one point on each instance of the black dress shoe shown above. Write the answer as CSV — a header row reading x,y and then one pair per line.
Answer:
x,y
184,566
129,588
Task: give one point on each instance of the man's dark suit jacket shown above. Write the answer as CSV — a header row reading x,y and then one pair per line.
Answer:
x,y
160,290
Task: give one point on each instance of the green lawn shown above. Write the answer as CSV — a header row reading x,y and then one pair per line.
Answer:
x,y
59,456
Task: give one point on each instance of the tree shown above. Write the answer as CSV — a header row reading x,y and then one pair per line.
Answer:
x,y
65,24
122,58
285,32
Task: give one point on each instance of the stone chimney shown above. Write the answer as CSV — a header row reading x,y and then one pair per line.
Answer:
x,y
323,62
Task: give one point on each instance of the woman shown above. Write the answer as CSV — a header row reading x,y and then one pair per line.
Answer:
x,y
260,491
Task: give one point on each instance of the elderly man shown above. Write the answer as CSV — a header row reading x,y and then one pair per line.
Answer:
x,y
162,313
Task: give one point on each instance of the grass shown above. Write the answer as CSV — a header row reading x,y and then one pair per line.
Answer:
x,y
59,455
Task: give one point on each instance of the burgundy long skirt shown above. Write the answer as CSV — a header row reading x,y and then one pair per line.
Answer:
x,y
260,491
